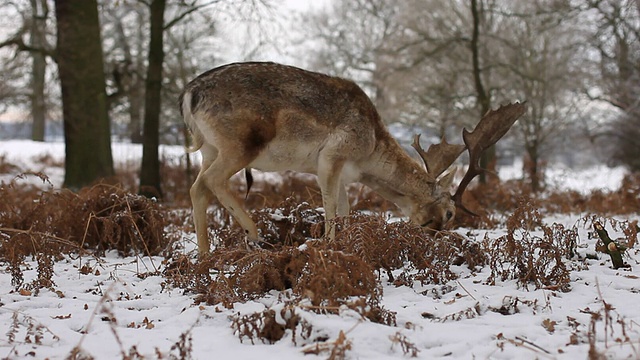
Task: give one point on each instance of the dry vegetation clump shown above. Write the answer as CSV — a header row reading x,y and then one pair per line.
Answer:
x,y
625,200
497,196
319,276
325,275
326,278
118,220
401,245
329,278
271,325
531,259
101,217
50,224
505,197
265,327
290,223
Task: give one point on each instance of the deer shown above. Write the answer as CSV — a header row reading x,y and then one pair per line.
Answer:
x,y
273,117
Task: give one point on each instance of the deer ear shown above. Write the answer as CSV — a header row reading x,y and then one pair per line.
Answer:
x,y
447,179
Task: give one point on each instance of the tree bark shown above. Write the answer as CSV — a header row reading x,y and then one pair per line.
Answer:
x,y
84,100
532,166
40,11
150,169
483,98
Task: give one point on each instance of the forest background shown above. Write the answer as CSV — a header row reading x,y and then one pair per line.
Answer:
x,y
98,71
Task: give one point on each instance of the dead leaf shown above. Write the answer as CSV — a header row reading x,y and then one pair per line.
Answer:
x,y
549,325
25,292
61,316
573,339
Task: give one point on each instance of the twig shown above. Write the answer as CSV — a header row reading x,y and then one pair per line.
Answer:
x,y
533,344
142,240
41,233
465,290
518,341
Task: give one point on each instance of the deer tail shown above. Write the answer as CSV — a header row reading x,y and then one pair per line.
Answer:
x,y
195,139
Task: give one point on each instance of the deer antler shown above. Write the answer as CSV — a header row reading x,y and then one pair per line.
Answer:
x,y
491,128
439,156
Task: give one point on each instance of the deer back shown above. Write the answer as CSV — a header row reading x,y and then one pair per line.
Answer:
x,y
291,111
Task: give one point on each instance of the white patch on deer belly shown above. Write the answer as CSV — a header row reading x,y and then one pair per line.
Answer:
x,y
350,173
287,155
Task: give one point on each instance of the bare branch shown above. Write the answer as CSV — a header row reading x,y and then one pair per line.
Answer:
x,y
187,12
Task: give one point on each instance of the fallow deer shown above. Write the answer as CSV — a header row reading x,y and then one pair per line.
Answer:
x,y
274,117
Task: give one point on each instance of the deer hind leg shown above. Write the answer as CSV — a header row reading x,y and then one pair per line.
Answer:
x,y
200,200
331,187
216,178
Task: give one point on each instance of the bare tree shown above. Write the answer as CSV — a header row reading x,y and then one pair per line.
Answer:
x,y
456,60
617,43
37,31
35,27
357,38
542,60
126,28
413,57
12,80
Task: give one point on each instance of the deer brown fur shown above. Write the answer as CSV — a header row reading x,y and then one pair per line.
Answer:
x,y
273,117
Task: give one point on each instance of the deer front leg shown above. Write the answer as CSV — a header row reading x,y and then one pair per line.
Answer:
x,y
329,171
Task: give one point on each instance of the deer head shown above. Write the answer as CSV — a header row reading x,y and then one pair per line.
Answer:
x,y
491,128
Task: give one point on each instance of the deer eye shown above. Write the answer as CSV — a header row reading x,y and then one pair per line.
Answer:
x,y
449,214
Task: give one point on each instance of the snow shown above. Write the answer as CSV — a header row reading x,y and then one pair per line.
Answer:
x,y
111,309
585,180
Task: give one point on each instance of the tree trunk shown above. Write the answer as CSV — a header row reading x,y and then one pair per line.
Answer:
x,y
84,98
40,12
131,79
532,167
136,102
150,169
483,98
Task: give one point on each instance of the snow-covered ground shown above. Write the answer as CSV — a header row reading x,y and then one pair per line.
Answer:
x,y
111,309
28,155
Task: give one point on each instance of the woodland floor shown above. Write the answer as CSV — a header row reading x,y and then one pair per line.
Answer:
x,y
105,273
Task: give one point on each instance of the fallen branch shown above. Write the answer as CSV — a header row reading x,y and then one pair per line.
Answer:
x,y
612,248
